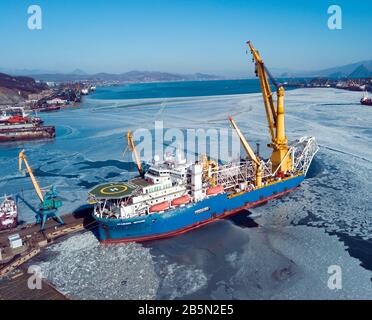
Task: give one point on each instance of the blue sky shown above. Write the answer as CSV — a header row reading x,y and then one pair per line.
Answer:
x,y
183,36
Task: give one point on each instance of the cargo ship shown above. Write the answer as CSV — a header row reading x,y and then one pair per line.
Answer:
x,y
8,213
16,125
366,100
173,196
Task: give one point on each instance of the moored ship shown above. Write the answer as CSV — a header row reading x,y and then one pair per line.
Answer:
x,y
16,125
8,213
173,196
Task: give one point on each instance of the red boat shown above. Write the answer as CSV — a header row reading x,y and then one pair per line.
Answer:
x,y
366,101
18,116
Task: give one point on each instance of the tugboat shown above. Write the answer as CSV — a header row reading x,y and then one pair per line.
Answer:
x,y
366,100
8,213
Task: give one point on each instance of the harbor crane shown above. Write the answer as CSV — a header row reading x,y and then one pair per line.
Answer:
x,y
49,202
132,148
280,159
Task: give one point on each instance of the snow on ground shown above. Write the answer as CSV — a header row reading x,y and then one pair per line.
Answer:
x,y
83,269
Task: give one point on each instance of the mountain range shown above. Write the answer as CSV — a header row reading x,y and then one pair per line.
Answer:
x,y
131,76
361,69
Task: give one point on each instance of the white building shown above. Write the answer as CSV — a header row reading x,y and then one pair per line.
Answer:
x,y
15,241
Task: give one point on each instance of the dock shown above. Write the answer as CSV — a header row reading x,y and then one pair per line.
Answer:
x,y
13,274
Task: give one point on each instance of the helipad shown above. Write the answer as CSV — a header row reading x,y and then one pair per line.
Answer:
x,y
115,190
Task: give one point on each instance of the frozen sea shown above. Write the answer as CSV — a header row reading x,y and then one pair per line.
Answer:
x,y
284,252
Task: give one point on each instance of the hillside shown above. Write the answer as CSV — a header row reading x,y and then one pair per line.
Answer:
x,y
16,89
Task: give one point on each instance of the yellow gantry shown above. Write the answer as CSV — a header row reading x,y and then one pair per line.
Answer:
x,y
22,158
280,159
132,147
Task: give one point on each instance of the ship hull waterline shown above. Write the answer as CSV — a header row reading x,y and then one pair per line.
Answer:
x,y
192,216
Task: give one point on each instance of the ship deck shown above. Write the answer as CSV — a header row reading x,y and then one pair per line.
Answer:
x,y
115,190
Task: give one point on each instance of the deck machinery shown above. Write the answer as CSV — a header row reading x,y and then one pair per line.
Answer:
x,y
174,196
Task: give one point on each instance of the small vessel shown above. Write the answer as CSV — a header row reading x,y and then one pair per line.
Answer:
x,y
17,115
49,108
174,196
85,91
8,213
366,100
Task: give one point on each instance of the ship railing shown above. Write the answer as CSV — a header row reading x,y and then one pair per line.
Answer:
x,y
303,153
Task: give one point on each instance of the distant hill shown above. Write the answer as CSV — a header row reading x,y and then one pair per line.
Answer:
x,y
131,76
20,84
361,69
15,89
361,72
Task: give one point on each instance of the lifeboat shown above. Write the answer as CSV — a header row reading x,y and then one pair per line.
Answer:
x,y
159,207
181,200
214,190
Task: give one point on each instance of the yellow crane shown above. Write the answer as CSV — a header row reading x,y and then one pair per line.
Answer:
x,y
49,203
280,158
257,161
132,148
22,158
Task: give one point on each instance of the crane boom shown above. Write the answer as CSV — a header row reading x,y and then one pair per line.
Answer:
x,y
250,153
132,147
22,158
267,95
275,116
244,142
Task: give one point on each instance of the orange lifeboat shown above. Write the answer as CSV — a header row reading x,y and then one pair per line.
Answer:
x,y
181,200
214,190
159,207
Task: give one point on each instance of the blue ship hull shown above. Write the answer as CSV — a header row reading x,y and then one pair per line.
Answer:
x,y
182,219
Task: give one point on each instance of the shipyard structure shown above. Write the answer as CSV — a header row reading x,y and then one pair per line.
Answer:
x,y
173,196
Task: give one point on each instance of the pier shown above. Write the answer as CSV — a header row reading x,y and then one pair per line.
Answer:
x,y
13,272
